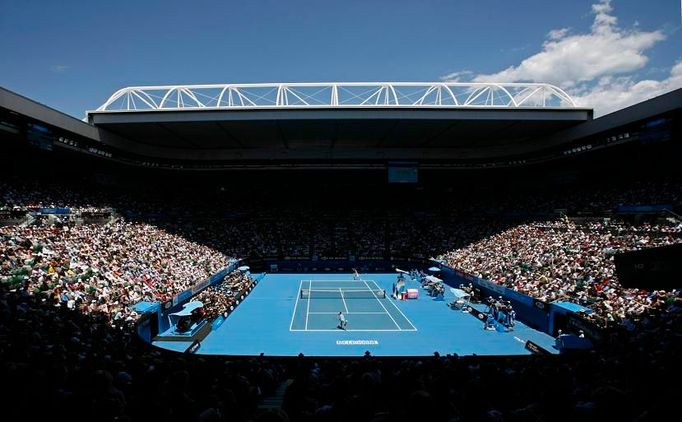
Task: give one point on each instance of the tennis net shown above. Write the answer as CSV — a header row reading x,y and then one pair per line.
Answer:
x,y
343,293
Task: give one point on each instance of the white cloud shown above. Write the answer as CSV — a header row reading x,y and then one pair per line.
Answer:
x,y
611,94
59,68
593,67
566,60
603,22
458,76
557,34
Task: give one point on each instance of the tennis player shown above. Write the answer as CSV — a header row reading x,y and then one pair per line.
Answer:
x,y
342,321
356,275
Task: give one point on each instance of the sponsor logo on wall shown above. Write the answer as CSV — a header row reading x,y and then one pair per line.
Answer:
x,y
194,347
357,342
535,349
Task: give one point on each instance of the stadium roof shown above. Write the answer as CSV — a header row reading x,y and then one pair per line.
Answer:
x,y
337,95
435,136
366,121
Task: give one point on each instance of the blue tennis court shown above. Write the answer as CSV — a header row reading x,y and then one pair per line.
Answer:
x,y
364,303
288,314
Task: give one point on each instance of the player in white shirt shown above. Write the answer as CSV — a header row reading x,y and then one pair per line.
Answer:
x,y
342,321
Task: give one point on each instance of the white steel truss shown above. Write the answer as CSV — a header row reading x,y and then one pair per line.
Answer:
x,y
338,95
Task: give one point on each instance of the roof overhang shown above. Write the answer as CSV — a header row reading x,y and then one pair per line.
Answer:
x,y
362,133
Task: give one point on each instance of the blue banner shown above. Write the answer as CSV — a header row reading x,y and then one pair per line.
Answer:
x,y
643,208
182,296
217,277
503,291
200,286
519,297
217,323
60,211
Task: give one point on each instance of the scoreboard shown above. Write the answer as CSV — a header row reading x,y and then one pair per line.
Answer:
x,y
403,173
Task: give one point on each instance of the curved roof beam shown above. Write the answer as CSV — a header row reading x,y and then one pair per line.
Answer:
x,y
373,95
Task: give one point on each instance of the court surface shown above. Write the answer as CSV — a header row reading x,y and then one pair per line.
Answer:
x,y
278,320
364,304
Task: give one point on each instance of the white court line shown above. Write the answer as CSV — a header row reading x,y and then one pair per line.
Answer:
x,y
349,313
343,299
398,329
298,296
338,330
382,305
336,281
394,305
307,310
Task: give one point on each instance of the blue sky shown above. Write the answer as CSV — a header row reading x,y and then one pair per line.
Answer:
x,y
73,54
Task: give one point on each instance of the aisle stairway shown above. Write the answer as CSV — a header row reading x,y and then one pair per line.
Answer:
x,y
274,402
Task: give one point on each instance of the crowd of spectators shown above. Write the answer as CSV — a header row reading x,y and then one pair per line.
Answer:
x,y
222,298
32,194
59,363
623,381
561,260
102,268
546,257
64,284
63,364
